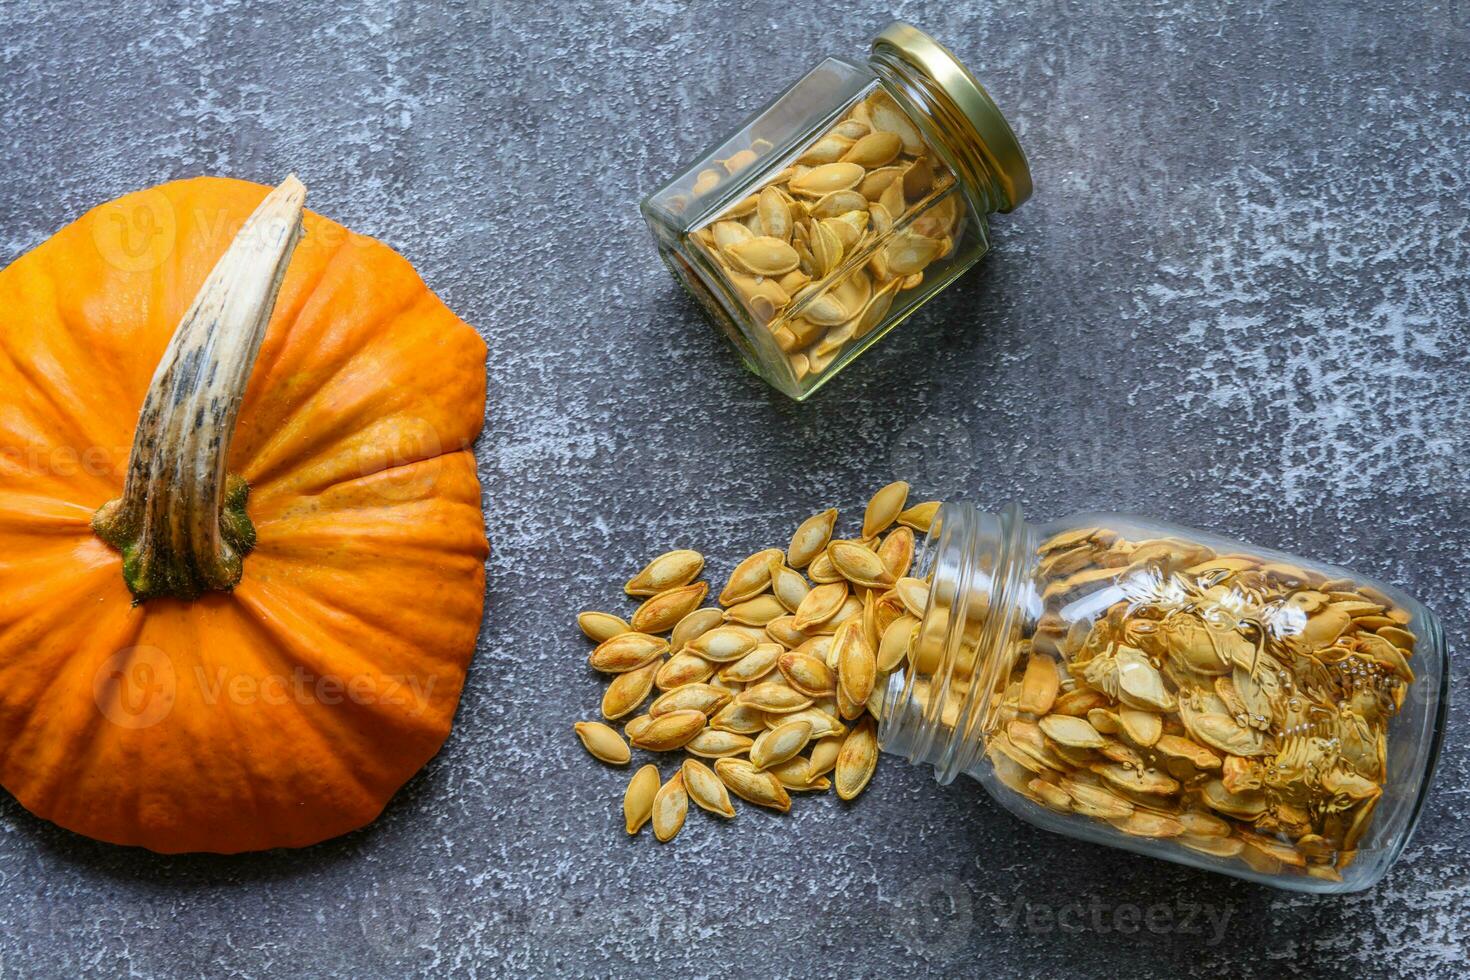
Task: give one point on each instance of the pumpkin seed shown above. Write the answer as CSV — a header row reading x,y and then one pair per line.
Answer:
x,y
823,722
857,759
894,645
697,623
781,630
750,578
775,745
838,203
638,798
874,150
668,570
893,201
754,665
670,806
681,669
796,775
1071,731
705,788
601,626
914,594
823,758
857,666
727,233
828,149
1142,727
773,698
739,718
756,612
887,117
627,651
1141,823
724,644
1040,685
661,612
715,744
897,552
789,587
691,697
764,256
603,743
884,507
826,178
753,785
627,691
807,674
706,181
775,214
908,252
670,731
859,565
635,727
821,604
918,180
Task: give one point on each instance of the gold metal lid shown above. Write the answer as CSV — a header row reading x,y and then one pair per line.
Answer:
x,y
963,103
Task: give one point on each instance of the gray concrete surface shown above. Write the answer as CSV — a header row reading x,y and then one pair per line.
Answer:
x,y
1238,299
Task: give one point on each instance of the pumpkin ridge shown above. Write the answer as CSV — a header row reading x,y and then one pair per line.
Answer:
x,y
283,454
31,513
60,662
65,423
275,788
269,491
267,601
367,771
289,324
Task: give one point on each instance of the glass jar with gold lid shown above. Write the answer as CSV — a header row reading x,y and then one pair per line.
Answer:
x,y
1172,692
841,207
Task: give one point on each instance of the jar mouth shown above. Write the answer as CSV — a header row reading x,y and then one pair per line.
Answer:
x,y
986,151
940,707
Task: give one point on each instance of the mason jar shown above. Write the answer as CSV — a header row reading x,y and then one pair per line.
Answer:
x,y
841,207
1174,693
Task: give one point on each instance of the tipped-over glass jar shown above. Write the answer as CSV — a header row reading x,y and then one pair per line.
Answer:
x,y
1173,693
840,208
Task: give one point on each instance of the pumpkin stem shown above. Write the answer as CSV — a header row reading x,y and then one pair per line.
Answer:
x,y
181,523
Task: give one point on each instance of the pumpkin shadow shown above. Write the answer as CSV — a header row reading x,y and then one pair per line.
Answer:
x,y
62,847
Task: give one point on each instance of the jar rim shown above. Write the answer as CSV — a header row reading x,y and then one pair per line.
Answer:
x,y
965,103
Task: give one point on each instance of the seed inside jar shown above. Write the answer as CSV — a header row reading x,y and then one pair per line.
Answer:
x,y
822,248
1234,705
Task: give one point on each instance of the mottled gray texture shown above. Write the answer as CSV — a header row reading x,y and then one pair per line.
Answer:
x,y
1238,300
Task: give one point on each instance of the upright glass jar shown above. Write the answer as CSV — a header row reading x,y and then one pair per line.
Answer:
x,y
1174,693
841,207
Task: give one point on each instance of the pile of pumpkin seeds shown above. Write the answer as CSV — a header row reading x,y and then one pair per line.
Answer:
x,y
822,248
776,685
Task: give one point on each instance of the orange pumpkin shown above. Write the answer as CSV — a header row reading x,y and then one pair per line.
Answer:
x,y
249,625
